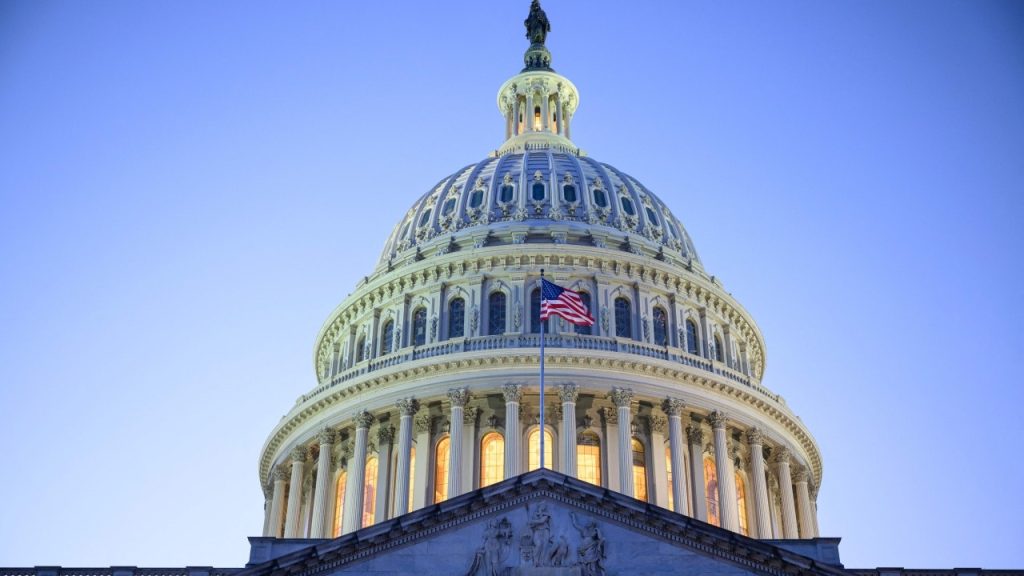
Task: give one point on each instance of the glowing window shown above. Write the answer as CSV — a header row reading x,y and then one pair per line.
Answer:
x,y
534,443
741,504
339,503
496,313
419,327
660,326
476,198
507,193
600,198
536,118
370,491
587,330
387,337
711,491
569,193
537,191
441,470
668,473
412,478
627,206
691,337
588,459
623,318
456,318
425,217
535,313
492,459
639,471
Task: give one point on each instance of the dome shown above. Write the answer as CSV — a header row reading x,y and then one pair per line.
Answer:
x,y
541,195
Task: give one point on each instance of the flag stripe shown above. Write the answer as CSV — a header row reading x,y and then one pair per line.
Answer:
x,y
563,302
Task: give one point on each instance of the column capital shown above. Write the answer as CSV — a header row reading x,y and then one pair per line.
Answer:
x,y
407,406
469,414
673,406
300,454
781,456
611,415
622,397
458,396
568,393
755,437
385,435
801,475
363,419
695,434
717,419
281,474
326,437
512,392
423,422
658,423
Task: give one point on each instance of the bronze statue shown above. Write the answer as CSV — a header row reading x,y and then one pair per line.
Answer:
x,y
537,25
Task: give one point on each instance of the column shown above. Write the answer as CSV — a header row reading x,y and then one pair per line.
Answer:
x,y
293,522
781,459
545,112
568,393
622,398
268,499
803,501
674,408
658,469
513,394
528,116
723,466
424,461
353,510
761,514
321,494
277,502
407,407
469,448
695,435
558,114
515,116
458,398
385,444
611,436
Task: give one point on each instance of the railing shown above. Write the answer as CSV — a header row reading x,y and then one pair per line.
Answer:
x,y
118,571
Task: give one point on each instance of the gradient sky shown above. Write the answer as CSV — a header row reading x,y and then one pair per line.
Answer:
x,y
188,188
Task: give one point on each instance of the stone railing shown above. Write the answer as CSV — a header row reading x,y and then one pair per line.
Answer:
x,y
118,571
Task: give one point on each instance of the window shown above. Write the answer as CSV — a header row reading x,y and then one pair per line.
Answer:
x,y
718,349
361,349
476,198
741,504
370,491
623,318
660,326
339,502
711,491
419,327
534,449
441,469
691,337
492,459
537,191
651,217
496,313
639,471
387,337
456,318
588,458
449,207
668,473
569,193
586,330
507,193
412,478
535,313
536,118
627,206
425,217
600,197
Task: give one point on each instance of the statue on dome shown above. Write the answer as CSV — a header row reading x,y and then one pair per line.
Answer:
x,y
537,25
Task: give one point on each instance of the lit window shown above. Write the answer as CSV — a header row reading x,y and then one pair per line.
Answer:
x,y
456,318
441,470
419,327
476,198
370,491
668,472
412,478
623,318
536,118
639,471
741,504
586,330
507,193
691,337
339,503
534,443
535,313
387,337
627,206
569,193
711,491
537,191
600,198
588,459
425,217
492,459
496,313
660,327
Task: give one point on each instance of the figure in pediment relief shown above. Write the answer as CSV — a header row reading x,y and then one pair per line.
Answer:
x,y
591,548
490,558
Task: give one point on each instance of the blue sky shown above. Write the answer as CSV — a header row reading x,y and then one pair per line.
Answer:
x,y
187,189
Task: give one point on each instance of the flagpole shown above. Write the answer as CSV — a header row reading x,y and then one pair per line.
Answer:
x,y
542,430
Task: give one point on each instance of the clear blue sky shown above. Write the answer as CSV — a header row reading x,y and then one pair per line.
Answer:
x,y
187,189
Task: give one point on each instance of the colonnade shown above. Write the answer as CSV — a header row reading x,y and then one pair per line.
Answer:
x,y
293,512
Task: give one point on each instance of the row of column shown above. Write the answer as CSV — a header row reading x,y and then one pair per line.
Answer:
x,y
525,104
622,398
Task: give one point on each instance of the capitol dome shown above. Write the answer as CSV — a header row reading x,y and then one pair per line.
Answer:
x,y
427,375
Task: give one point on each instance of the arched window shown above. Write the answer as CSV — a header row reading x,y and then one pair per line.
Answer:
x,y
600,197
668,473
588,458
537,191
387,337
586,330
492,459
441,469
639,471
711,491
476,198
623,318
660,326
496,313
719,355
339,502
569,193
536,118
370,491
691,337
534,449
535,313
741,504
361,349
419,327
456,318
506,194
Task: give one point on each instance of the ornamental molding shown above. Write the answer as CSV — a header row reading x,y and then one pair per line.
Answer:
x,y
568,393
512,392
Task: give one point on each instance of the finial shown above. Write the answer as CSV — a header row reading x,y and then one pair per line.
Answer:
x,y
537,25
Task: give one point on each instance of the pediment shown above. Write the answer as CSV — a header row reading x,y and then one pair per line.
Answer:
x,y
542,523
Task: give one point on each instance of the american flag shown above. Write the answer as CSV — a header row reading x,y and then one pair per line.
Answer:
x,y
563,302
